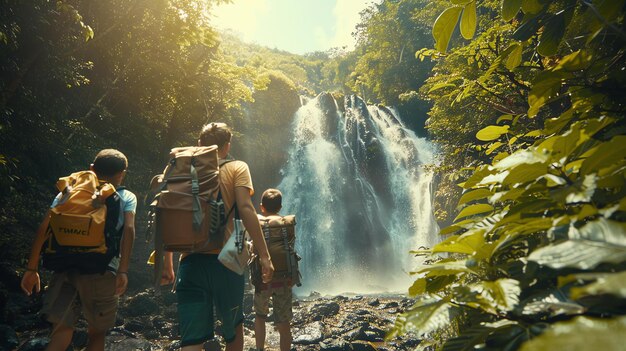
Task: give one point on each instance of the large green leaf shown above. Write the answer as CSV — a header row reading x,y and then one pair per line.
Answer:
x,y
549,303
475,195
553,31
425,317
522,157
602,230
575,61
609,9
532,6
468,339
609,284
444,27
510,8
581,333
468,243
474,210
605,155
444,268
525,173
580,254
468,20
493,297
545,87
492,132
514,58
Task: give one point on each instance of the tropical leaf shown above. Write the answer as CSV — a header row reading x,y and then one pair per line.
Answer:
x,y
549,303
532,6
468,243
474,195
605,155
468,20
574,62
522,157
468,339
444,268
608,284
510,8
525,173
580,254
444,26
601,230
491,132
474,210
581,333
552,33
514,58
425,317
493,297
545,87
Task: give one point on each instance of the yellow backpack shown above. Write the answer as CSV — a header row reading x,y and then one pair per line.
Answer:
x,y
85,225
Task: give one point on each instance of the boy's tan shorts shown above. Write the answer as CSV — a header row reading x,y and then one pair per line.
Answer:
x,y
281,303
69,292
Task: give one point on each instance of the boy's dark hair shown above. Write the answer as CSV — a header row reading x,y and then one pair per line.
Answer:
x,y
215,134
109,162
272,200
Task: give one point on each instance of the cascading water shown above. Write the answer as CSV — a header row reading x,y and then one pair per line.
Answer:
x,y
361,196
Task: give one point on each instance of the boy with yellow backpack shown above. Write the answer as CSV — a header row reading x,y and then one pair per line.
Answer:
x,y
87,237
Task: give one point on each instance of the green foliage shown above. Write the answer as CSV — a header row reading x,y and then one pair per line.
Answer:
x,y
532,123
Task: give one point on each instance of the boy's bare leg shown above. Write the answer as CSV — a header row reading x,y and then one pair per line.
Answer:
x,y
284,329
61,338
96,340
259,332
237,344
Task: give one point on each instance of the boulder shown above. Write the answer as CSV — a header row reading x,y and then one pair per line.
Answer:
x,y
8,338
310,334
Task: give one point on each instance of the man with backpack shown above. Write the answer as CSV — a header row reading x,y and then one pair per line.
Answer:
x,y
203,281
87,237
279,232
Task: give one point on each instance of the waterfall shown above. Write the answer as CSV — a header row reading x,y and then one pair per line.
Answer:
x,y
362,198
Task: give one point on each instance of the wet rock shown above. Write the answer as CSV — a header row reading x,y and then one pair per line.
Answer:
x,y
310,334
152,334
357,298
8,338
374,302
35,344
135,325
125,344
174,346
143,304
390,305
335,345
340,298
321,310
80,338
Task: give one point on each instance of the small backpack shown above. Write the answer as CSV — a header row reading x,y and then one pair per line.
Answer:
x,y
85,227
280,237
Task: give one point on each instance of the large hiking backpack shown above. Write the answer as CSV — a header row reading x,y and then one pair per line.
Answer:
x,y
185,206
280,237
86,225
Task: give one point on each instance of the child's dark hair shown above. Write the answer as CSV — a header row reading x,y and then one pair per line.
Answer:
x,y
272,200
215,134
109,162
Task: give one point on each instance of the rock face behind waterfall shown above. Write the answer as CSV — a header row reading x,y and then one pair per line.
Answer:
x,y
355,180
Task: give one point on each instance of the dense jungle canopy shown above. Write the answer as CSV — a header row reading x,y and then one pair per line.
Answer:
x,y
524,98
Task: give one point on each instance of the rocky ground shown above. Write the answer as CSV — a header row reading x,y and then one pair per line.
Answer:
x,y
148,322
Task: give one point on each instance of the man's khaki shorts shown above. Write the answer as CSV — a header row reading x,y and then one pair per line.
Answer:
x,y
69,292
281,303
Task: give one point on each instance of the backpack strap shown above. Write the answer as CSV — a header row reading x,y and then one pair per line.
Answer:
x,y
288,250
198,214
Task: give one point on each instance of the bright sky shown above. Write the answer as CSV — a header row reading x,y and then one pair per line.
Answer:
x,y
297,26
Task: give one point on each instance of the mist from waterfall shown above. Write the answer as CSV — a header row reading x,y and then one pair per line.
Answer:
x,y
362,198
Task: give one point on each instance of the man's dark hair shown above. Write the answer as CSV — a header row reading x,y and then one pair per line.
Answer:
x,y
109,162
272,200
215,134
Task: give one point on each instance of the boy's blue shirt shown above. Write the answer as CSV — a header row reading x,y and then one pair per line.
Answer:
x,y
129,204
